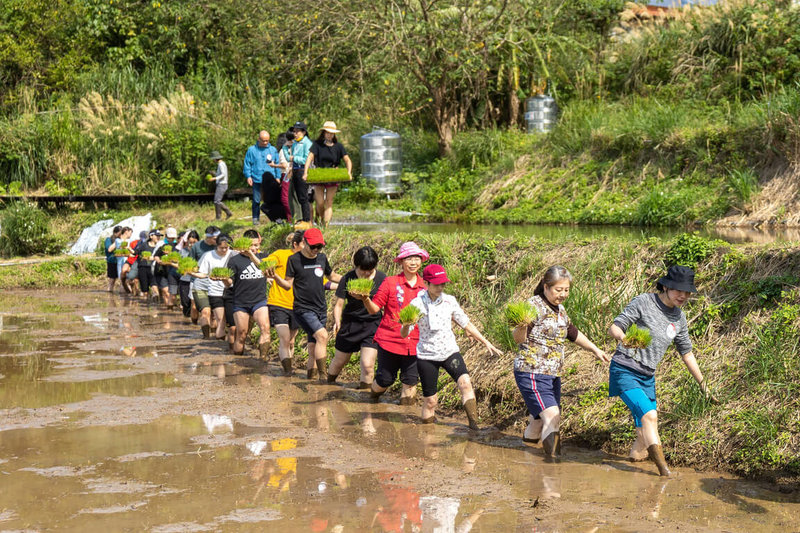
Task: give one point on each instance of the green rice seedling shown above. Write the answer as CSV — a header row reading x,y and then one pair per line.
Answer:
x,y
220,273
172,258
121,252
409,315
242,244
167,248
519,314
146,255
186,265
327,175
360,286
637,338
268,264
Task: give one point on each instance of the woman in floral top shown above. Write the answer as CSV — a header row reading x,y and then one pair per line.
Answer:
x,y
538,365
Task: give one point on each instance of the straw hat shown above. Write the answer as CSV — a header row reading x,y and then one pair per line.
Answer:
x,y
330,126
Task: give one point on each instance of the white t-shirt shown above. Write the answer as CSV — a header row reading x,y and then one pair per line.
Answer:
x,y
209,261
437,341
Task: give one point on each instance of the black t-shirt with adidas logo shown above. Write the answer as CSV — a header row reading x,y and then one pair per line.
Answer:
x,y
249,283
309,287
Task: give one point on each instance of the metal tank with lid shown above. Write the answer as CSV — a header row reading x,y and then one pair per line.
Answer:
x,y
382,159
541,113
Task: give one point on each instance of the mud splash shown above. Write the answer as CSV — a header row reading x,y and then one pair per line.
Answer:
x,y
101,435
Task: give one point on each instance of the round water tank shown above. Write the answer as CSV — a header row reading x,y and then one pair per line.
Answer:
x,y
382,159
541,113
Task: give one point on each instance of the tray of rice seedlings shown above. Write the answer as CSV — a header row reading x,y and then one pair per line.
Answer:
x,y
171,258
242,244
327,175
637,338
186,265
220,273
520,314
360,286
147,256
268,264
122,249
409,315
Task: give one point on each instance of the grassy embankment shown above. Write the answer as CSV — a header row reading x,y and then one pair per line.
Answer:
x,y
744,322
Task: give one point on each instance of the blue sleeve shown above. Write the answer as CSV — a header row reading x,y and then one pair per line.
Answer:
x,y
248,163
276,158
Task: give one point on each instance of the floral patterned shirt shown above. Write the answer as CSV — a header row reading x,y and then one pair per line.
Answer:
x,y
437,341
543,349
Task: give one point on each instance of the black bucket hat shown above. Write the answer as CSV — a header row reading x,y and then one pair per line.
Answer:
x,y
299,125
679,278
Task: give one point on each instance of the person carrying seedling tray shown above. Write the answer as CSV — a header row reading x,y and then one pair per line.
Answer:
x,y
326,153
201,309
633,367
437,347
281,302
540,360
166,259
353,326
304,273
145,250
249,294
217,258
395,352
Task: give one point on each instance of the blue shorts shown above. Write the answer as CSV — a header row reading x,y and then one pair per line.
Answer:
x,y
639,404
637,390
249,309
310,321
539,391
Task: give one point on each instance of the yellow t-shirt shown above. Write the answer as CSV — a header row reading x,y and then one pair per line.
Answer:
x,y
277,296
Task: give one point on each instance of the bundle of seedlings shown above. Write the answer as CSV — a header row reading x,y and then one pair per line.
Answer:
x,y
242,244
520,314
360,286
409,315
167,248
220,273
186,265
268,264
123,250
146,255
171,258
327,175
637,338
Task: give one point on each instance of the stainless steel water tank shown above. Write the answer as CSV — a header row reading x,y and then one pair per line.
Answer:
x,y
541,113
382,159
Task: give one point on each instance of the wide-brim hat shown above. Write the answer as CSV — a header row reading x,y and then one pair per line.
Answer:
x,y
679,278
435,274
409,249
215,155
330,126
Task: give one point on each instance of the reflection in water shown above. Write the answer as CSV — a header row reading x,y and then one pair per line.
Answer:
x,y
214,422
98,320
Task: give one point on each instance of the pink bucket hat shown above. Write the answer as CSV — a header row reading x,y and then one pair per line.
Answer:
x,y
410,248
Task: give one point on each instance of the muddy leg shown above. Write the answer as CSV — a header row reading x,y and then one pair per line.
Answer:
x,y
551,438
638,449
340,359
429,404
533,432
368,356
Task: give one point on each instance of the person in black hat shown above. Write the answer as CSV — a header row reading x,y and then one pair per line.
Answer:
x,y
220,176
632,369
300,150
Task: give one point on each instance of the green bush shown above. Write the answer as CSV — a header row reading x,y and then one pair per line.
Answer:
x,y
690,249
24,230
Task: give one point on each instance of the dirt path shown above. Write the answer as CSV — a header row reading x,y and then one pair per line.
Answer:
x,y
117,415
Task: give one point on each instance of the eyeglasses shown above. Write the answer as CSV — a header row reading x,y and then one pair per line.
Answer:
x,y
316,247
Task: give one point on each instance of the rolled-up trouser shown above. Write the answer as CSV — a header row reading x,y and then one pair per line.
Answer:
x,y
301,191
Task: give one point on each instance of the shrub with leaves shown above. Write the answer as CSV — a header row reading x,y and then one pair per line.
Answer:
x,y
408,315
520,314
186,265
691,249
360,286
24,230
637,338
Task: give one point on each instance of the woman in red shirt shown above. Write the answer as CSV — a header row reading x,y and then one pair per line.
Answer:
x,y
396,353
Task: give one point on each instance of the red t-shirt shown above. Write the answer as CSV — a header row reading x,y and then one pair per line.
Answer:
x,y
132,258
394,294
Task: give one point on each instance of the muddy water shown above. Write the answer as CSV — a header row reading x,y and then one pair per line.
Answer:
x,y
115,415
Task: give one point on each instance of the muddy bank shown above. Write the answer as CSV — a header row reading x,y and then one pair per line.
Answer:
x,y
224,443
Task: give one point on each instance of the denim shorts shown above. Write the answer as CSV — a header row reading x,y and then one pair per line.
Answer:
x,y
310,321
249,309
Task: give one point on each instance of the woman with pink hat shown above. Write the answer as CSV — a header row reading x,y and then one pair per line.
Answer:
x,y
395,352
327,152
437,347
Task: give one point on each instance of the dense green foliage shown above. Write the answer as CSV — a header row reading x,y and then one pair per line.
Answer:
x,y
25,230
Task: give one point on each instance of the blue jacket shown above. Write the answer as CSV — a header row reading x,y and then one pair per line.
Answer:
x,y
256,162
300,151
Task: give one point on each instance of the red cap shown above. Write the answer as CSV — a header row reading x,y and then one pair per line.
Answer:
x,y
435,274
313,236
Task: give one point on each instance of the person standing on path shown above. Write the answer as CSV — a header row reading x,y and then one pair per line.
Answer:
x,y
395,352
300,150
437,347
109,245
281,302
220,176
305,271
256,168
353,327
632,370
326,152
540,361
